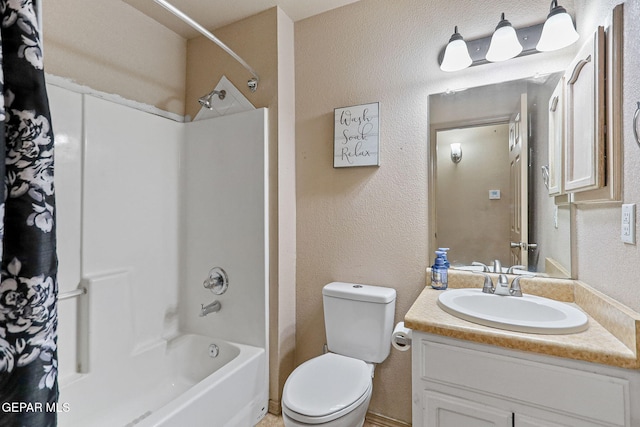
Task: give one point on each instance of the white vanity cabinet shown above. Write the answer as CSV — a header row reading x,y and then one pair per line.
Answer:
x,y
462,384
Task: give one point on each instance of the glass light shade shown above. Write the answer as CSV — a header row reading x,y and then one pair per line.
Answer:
x,y
504,45
558,32
456,55
456,152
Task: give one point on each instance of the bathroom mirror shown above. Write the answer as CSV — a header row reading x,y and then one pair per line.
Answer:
x,y
488,193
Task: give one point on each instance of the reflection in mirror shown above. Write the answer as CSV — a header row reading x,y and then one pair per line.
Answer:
x,y
488,197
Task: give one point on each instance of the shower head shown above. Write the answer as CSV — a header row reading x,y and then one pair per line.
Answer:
x,y
205,101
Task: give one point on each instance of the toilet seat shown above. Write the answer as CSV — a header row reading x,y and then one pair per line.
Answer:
x,y
326,388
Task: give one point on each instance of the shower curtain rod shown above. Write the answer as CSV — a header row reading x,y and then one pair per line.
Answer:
x,y
252,83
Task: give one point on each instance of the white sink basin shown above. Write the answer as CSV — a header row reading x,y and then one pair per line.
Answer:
x,y
529,313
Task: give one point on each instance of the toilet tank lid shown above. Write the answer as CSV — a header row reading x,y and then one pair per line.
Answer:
x,y
358,292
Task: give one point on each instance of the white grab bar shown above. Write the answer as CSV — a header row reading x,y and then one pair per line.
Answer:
x,y
72,294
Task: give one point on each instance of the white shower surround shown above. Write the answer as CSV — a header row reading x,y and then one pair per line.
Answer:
x,y
146,206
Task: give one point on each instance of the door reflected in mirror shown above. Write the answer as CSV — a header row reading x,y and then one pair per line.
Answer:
x,y
488,198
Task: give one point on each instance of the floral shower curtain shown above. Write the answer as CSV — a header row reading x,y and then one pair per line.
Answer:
x,y
28,287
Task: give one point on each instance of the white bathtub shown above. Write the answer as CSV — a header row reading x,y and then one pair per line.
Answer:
x,y
171,384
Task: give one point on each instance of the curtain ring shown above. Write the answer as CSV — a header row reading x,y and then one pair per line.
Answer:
x,y
636,131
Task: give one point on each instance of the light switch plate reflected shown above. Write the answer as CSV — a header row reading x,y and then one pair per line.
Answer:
x,y
628,231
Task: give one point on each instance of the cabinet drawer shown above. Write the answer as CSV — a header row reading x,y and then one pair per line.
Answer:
x,y
593,397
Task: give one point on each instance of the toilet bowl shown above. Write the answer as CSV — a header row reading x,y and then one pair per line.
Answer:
x,y
334,390
329,391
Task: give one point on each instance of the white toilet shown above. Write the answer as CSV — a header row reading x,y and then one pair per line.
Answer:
x,y
334,390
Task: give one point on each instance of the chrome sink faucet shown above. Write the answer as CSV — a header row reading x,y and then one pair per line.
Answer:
x,y
502,287
497,266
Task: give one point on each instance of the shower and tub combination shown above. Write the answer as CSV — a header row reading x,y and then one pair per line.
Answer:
x,y
147,209
148,206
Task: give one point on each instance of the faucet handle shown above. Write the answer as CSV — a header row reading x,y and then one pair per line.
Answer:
x,y
515,290
513,267
487,287
217,281
479,264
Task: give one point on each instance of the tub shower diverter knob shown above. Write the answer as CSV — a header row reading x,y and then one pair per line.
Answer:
x,y
218,281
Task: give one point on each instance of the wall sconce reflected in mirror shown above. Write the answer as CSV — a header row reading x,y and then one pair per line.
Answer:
x,y
456,152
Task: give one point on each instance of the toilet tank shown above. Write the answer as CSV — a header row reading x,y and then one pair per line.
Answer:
x,y
359,320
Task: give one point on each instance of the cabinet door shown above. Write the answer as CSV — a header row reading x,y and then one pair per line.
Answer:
x,y
555,176
441,410
612,190
585,124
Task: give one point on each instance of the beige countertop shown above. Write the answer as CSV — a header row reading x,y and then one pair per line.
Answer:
x,y
612,338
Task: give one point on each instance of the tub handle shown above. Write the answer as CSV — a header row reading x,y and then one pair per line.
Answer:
x,y
218,281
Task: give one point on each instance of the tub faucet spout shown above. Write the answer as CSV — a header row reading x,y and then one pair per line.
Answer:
x,y
214,307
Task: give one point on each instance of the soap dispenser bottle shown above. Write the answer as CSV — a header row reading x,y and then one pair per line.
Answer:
x,y
444,256
439,279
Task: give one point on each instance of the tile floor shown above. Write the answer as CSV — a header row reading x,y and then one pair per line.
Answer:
x,y
271,420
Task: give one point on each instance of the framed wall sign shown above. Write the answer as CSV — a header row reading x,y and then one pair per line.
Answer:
x,y
356,136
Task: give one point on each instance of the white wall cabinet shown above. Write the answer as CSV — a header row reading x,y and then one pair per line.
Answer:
x,y
585,117
611,190
456,383
585,121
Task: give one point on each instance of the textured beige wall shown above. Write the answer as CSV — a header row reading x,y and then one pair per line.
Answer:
x,y
112,47
255,40
483,232
370,224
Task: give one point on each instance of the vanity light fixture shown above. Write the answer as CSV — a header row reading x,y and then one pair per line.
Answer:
x,y
508,42
558,30
456,152
456,54
504,42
